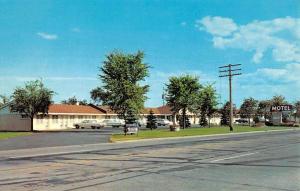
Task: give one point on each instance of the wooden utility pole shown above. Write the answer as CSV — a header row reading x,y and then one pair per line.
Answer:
x,y
229,72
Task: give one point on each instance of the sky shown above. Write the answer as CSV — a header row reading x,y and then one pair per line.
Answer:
x,y
64,43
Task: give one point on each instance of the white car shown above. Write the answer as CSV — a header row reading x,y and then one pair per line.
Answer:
x,y
88,124
113,122
163,123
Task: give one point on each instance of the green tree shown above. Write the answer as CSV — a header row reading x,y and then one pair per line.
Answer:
x,y
4,100
248,108
264,109
225,114
73,101
184,121
121,75
130,117
31,100
208,103
182,94
297,109
151,121
278,100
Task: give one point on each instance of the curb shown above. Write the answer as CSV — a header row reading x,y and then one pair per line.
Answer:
x,y
199,136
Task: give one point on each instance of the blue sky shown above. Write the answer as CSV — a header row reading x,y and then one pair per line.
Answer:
x,y
65,42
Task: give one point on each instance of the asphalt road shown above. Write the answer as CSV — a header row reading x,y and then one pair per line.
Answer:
x,y
259,161
59,138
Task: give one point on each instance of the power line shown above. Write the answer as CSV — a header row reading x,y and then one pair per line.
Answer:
x,y
230,72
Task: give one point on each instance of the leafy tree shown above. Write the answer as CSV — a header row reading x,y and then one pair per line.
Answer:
x,y
31,100
278,100
264,109
248,108
203,121
73,101
182,94
208,102
297,109
121,75
151,121
184,121
130,117
4,99
225,113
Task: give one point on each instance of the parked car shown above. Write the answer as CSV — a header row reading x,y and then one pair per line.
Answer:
x,y
241,122
113,122
142,123
163,123
88,124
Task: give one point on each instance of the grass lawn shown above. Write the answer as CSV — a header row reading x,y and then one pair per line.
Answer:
x,y
162,133
7,135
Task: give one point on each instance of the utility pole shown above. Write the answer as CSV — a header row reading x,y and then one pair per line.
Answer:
x,y
229,72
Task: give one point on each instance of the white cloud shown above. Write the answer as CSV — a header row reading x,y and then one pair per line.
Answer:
x,y
281,36
75,29
218,26
47,36
183,24
290,73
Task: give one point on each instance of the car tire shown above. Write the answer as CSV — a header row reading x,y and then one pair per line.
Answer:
x,y
98,127
82,127
77,126
93,127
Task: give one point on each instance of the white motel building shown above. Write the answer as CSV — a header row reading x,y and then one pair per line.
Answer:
x,y
63,116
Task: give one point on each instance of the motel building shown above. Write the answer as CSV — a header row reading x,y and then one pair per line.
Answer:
x,y
63,116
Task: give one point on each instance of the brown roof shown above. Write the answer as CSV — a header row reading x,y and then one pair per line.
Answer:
x,y
106,109
162,110
64,108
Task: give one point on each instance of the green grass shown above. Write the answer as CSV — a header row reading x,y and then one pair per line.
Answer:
x,y
162,133
7,135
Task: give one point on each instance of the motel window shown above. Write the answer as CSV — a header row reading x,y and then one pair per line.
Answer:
x,y
72,117
55,118
93,117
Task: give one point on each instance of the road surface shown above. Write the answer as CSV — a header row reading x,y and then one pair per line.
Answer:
x,y
256,161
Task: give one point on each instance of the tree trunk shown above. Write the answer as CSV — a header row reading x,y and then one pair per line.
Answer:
x,y
174,119
183,115
31,124
208,121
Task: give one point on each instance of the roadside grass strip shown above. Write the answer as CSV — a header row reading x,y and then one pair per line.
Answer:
x,y
7,135
164,133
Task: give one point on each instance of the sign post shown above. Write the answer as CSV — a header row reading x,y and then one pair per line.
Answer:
x,y
277,112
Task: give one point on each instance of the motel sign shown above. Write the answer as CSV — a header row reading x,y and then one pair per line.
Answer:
x,y
281,108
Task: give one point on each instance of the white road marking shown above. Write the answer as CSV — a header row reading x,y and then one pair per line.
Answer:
x,y
238,156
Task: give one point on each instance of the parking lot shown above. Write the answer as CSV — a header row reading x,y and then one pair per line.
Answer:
x,y
59,138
